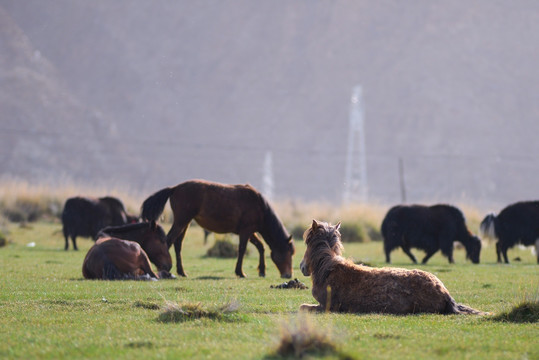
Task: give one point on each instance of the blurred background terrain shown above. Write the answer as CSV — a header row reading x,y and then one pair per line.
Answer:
x,y
145,95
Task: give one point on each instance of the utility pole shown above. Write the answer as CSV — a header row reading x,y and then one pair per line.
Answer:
x,y
401,181
267,177
355,185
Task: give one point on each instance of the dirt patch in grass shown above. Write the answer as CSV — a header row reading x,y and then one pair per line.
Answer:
x,y
525,312
181,312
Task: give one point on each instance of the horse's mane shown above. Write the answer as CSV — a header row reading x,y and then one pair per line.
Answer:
x,y
131,227
325,249
274,226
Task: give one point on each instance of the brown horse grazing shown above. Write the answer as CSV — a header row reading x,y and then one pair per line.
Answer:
x,y
117,259
151,237
238,209
340,285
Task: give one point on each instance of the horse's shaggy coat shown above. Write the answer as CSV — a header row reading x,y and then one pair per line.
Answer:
x,y
430,228
85,216
515,224
116,259
221,208
339,285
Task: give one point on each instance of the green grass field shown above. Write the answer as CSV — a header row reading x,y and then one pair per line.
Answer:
x,y
47,310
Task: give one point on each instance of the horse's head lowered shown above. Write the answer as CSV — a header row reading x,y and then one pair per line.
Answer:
x,y
155,245
283,259
322,240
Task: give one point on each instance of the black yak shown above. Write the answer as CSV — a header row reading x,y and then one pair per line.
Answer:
x,y
430,228
84,216
516,224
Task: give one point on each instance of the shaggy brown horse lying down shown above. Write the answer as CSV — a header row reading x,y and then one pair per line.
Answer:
x,y
116,259
340,285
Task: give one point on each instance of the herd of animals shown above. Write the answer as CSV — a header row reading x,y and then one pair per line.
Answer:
x,y
125,247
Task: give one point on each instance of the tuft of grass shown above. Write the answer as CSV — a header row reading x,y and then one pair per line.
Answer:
x,y
224,248
181,312
146,305
525,312
304,339
353,232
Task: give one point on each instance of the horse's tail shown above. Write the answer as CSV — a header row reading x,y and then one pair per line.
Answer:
x,y
153,206
465,309
454,308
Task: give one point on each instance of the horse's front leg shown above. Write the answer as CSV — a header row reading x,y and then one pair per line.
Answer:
x,y
241,252
255,240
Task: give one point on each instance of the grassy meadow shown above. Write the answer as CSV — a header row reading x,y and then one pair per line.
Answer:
x,y
47,310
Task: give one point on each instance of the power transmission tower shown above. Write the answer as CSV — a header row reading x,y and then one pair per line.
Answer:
x,y
267,177
355,185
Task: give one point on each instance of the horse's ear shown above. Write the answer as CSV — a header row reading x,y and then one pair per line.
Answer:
x,y
290,239
338,226
314,224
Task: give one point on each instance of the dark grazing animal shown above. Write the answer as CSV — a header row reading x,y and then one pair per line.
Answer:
x,y
430,228
220,208
151,237
117,259
515,224
85,216
339,285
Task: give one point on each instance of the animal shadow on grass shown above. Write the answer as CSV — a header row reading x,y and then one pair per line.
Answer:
x,y
139,344
209,277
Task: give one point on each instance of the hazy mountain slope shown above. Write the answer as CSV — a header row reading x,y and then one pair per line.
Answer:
x,y
46,132
204,89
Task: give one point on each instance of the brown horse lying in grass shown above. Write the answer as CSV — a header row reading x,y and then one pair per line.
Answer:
x,y
151,237
117,259
340,285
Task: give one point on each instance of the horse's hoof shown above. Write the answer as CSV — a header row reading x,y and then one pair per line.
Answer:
x,y
262,275
163,274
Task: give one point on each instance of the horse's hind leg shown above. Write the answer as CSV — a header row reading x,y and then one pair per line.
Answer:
x,y
175,236
261,261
